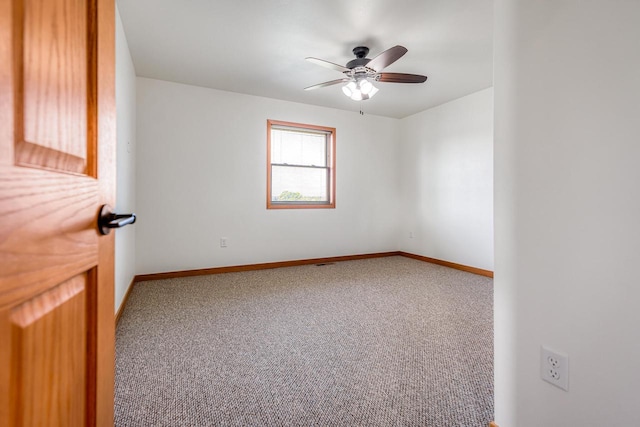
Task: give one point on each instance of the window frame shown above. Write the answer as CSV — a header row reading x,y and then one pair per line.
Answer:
x,y
331,166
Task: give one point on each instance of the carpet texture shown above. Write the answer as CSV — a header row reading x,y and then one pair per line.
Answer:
x,y
376,342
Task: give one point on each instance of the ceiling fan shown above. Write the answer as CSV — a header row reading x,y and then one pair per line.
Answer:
x,y
362,71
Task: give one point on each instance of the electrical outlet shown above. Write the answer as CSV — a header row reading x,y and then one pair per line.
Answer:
x,y
223,242
411,234
554,368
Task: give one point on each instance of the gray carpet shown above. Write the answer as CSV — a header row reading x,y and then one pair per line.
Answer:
x,y
377,342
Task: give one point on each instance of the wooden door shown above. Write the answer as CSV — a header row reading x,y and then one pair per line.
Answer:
x,y
57,160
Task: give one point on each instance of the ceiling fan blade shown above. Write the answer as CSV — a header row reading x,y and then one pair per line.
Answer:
x,y
387,58
325,84
401,78
327,64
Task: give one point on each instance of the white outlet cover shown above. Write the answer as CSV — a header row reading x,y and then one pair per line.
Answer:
x,y
554,367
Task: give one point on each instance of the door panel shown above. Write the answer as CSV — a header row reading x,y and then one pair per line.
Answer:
x,y
57,168
51,388
54,79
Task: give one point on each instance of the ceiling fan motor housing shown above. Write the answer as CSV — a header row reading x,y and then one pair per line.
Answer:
x,y
360,52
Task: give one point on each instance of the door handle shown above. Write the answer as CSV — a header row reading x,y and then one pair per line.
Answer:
x,y
108,220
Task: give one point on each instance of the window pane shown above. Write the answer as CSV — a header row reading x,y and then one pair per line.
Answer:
x,y
293,184
298,148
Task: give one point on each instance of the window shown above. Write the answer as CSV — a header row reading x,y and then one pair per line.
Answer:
x,y
301,170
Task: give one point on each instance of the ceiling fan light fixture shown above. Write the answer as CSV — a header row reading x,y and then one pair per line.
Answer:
x,y
365,87
350,89
360,90
372,91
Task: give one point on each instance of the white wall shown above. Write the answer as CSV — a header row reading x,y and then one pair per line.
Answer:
x,y
125,163
567,210
446,169
202,176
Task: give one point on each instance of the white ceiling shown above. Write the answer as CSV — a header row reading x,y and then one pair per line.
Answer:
x,y
258,47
